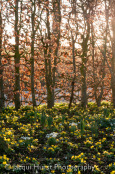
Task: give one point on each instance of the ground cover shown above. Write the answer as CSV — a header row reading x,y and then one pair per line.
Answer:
x,y
58,140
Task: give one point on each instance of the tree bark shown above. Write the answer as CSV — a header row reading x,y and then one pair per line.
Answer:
x,y
17,60
1,66
112,69
48,77
74,71
84,45
56,33
32,52
113,61
50,72
83,72
98,96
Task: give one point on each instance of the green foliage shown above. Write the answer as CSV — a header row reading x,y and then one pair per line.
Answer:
x,y
82,125
104,123
57,136
26,108
63,118
50,121
3,146
51,141
43,119
73,128
94,128
106,112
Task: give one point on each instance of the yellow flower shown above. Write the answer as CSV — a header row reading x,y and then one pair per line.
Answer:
x,y
32,146
96,167
4,163
113,172
110,165
9,133
79,172
69,166
69,170
82,153
92,147
4,156
9,167
46,167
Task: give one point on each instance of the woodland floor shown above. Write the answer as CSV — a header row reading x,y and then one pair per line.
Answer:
x,y
58,140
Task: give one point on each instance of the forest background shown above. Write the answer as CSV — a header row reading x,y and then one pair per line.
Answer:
x,y
57,50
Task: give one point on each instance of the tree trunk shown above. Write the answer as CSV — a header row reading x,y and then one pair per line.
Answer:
x,y
99,95
48,49
32,53
49,86
1,67
48,77
48,73
50,97
99,98
83,88
83,74
84,45
113,92
113,68
56,33
113,60
17,60
74,71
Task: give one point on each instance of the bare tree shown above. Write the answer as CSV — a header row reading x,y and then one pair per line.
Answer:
x,y
73,40
84,45
51,46
113,52
17,58
1,66
32,51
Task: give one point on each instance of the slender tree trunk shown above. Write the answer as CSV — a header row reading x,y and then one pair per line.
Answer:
x,y
50,97
74,71
113,91
49,84
17,60
98,97
104,58
56,33
93,59
113,61
84,86
48,49
84,45
32,53
1,67
83,73
48,72
48,77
